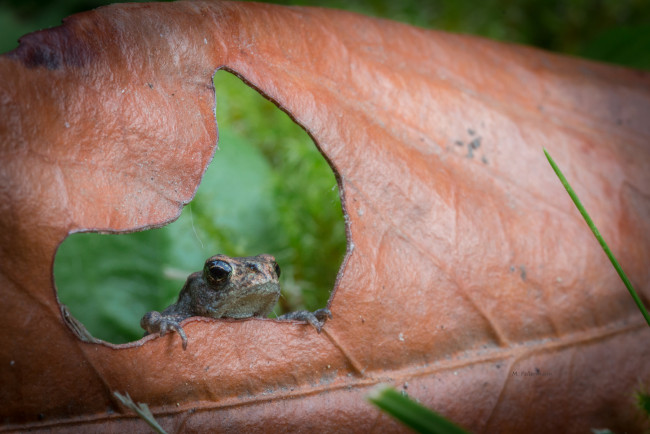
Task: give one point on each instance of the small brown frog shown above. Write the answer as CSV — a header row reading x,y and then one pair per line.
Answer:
x,y
228,288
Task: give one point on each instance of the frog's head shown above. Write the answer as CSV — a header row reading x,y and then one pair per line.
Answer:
x,y
240,287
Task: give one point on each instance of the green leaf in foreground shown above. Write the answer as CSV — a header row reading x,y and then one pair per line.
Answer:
x,y
600,239
410,413
142,410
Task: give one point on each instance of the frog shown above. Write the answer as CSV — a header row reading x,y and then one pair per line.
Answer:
x,y
228,287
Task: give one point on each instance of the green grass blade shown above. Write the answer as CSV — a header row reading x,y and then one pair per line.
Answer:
x,y
643,402
600,239
142,410
410,413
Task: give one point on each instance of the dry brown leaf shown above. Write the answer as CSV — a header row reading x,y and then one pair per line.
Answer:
x,y
467,261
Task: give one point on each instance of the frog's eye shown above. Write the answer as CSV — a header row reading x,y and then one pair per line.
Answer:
x,y
217,271
276,267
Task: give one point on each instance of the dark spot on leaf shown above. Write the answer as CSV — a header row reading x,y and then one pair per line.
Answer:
x,y
43,49
474,144
40,56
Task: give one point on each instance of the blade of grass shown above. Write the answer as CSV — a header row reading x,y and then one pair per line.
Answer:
x,y
142,410
643,402
410,413
600,239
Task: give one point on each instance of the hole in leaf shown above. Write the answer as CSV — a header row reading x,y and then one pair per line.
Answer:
x,y
267,190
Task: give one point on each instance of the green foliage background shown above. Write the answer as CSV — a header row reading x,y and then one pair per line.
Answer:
x,y
268,189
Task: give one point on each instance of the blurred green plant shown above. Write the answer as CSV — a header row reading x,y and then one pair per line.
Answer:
x,y
643,401
411,413
267,190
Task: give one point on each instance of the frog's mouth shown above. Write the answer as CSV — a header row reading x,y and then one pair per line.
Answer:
x,y
258,301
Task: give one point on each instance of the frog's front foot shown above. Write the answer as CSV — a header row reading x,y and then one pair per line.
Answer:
x,y
316,318
155,322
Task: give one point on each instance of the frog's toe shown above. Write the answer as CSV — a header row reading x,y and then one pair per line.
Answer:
x,y
316,319
167,324
323,314
176,326
155,322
